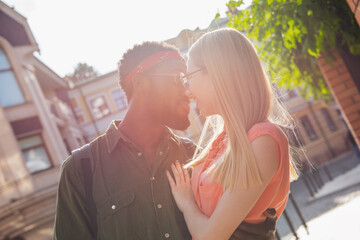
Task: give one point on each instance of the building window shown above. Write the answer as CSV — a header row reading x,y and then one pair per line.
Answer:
x,y
328,119
308,128
35,154
294,137
99,106
10,93
53,109
78,113
119,98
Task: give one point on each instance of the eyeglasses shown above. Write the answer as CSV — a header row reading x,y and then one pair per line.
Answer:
x,y
180,78
185,77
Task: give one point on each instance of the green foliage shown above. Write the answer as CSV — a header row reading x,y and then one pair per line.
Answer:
x,y
291,34
81,72
217,16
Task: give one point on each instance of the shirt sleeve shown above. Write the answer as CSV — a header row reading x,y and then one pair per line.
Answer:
x,y
72,219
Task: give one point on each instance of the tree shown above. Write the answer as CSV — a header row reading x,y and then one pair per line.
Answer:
x,y
81,72
291,34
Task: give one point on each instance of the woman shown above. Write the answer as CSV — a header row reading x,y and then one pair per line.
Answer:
x,y
245,168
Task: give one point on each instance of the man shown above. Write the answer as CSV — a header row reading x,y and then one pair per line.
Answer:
x,y
130,197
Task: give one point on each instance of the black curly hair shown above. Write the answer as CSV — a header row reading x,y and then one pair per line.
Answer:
x,y
133,56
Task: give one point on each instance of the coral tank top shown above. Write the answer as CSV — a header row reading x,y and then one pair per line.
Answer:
x,y
275,196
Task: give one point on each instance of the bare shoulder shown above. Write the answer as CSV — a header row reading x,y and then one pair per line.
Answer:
x,y
267,155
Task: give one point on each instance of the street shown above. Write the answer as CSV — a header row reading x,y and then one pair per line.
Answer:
x,y
327,213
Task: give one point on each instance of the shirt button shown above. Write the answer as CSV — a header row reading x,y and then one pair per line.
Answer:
x,y
167,235
152,178
113,207
161,153
139,154
159,206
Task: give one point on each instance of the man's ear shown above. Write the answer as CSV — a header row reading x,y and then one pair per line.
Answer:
x,y
140,84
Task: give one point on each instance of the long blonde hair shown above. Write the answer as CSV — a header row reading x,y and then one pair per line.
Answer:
x,y
245,97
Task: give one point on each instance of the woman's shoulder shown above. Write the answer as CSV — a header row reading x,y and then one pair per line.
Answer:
x,y
268,142
266,128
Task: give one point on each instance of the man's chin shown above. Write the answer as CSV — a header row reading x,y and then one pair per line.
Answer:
x,y
180,125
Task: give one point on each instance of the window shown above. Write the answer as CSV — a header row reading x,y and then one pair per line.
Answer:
x,y
328,119
99,106
308,127
53,109
10,93
120,99
295,138
35,154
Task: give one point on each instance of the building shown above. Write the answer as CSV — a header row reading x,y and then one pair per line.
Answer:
x,y
354,6
96,102
342,75
320,128
38,130
187,37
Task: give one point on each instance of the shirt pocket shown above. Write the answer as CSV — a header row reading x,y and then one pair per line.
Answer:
x,y
115,203
116,215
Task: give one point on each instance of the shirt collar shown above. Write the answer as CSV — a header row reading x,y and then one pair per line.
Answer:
x,y
113,135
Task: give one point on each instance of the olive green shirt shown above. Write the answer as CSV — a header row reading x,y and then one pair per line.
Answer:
x,y
133,199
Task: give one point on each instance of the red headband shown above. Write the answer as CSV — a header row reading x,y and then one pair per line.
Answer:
x,y
151,61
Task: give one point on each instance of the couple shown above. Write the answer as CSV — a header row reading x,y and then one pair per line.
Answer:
x,y
139,185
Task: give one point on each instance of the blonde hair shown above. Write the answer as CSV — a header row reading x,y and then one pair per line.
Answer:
x,y
245,97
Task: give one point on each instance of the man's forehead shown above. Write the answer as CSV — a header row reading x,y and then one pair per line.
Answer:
x,y
169,66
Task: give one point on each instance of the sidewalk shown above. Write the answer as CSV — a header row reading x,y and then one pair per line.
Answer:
x,y
342,223
347,180
333,213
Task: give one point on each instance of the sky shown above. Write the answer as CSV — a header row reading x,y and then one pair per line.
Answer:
x,y
98,32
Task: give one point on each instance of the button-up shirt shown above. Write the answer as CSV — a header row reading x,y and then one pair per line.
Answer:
x,y
133,198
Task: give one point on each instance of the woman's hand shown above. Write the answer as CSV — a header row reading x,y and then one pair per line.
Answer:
x,y
181,186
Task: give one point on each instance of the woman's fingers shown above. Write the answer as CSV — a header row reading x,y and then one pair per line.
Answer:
x,y
180,171
176,174
187,176
171,180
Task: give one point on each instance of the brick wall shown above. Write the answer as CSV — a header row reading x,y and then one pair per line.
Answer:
x,y
355,6
345,92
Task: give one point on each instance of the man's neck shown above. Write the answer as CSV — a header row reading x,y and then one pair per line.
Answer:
x,y
143,131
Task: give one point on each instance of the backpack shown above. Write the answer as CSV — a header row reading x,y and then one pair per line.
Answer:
x,y
84,155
